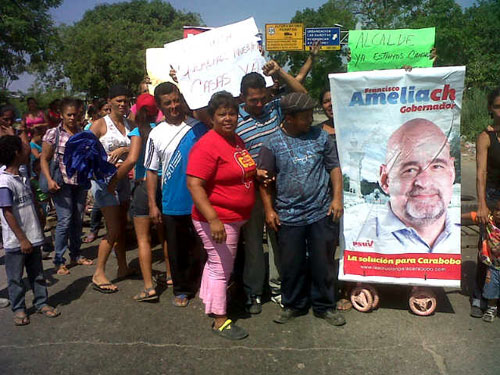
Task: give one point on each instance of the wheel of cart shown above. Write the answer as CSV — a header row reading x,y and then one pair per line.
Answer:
x,y
422,301
364,297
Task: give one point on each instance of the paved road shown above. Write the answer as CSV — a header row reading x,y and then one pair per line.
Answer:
x,y
112,334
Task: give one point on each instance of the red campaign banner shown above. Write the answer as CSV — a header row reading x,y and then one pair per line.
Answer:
x,y
421,266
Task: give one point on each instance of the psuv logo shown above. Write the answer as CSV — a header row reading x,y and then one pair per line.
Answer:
x,y
362,243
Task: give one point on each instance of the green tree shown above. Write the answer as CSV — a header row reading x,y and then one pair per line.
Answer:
x,y
474,115
482,44
385,14
448,19
109,44
331,13
25,29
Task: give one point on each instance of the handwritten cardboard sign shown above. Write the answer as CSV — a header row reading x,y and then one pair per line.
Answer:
x,y
206,63
390,49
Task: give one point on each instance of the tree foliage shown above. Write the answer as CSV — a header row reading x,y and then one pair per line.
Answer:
x,y
333,12
25,29
109,44
468,37
448,19
474,115
385,14
481,47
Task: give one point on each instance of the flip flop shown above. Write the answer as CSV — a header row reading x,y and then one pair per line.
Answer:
x,y
81,262
99,288
344,304
161,279
21,319
62,270
144,296
180,301
90,237
49,311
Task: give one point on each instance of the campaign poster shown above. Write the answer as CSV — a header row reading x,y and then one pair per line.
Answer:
x,y
398,136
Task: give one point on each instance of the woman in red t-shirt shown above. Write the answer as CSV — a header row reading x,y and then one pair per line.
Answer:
x,y
221,181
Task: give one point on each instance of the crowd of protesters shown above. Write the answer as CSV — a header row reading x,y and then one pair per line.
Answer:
x,y
210,183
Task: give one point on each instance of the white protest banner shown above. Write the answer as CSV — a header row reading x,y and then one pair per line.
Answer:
x,y
398,136
209,62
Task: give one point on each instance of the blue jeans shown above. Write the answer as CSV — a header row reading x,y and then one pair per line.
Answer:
x,y
70,203
492,284
307,265
95,219
477,300
15,263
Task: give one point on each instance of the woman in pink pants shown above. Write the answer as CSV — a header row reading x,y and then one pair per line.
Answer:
x,y
221,181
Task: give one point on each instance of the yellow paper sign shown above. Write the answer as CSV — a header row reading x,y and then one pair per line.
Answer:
x,y
285,37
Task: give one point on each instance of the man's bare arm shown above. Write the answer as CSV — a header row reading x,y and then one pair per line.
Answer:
x,y
273,69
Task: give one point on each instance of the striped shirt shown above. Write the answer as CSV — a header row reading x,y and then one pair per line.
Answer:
x,y
254,130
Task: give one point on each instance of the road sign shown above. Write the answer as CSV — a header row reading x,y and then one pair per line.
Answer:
x,y
285,37
329,37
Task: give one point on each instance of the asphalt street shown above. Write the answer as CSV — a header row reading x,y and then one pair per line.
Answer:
x,y
113,334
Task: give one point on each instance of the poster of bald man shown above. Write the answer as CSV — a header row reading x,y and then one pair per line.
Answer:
x,y
398,136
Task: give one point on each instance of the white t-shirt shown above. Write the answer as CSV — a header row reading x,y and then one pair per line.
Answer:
x,y
15,192
163,142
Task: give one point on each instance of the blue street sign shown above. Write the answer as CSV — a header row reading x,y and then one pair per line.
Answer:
x,y
329,37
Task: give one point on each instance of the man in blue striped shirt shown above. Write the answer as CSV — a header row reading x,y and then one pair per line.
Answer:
x,y
257,120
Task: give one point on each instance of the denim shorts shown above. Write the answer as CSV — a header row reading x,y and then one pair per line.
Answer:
x,y
491,288
140,206
103,198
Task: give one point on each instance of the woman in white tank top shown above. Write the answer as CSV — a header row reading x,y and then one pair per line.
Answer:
x,y
115,140
112,131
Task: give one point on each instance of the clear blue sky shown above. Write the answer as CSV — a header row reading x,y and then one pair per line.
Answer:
x,y
213,13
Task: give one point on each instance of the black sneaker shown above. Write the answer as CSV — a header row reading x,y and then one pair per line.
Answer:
x,y
286,314
332,317
230,331
476,312
255,307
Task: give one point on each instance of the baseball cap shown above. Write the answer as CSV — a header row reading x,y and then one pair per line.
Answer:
x,y
148,101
